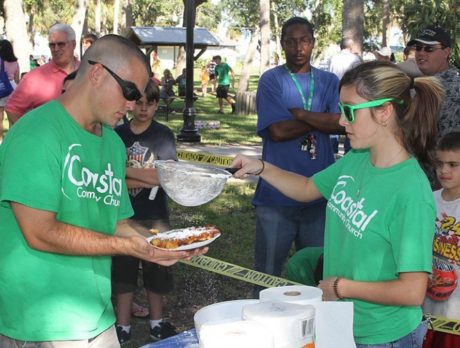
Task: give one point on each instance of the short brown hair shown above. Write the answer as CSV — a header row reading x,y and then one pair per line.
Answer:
x,y
152,92
450,141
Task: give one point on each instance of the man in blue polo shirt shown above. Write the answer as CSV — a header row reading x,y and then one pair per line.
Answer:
x,y
297,108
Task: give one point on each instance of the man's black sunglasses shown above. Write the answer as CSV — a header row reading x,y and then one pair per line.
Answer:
x,y
427,49
128,88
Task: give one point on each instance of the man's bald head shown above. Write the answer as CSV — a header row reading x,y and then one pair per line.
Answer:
x,y
114,51
346,43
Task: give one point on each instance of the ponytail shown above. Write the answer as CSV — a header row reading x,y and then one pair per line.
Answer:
x,y
417,114
418,121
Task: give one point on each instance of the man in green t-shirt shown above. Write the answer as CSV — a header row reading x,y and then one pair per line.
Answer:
x,y
64,207
225,77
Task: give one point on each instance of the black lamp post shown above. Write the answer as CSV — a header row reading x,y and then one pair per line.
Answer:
x,y
189,133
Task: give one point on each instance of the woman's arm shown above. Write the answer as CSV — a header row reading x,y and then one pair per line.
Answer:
x,y
408,290
295,186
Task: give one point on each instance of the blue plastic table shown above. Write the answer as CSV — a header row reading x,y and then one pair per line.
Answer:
x,y
186,339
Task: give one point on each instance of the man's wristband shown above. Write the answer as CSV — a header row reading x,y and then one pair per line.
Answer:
x,y
262,169
335,286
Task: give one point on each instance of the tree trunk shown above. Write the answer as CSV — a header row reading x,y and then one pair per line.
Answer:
x,y
277,53
116,11
264,35
78,22
97,17
180,60
385,23
16,32
353,23
248,60
128,14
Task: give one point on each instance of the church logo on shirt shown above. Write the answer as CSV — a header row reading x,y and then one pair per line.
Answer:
x,y
352,211
101,187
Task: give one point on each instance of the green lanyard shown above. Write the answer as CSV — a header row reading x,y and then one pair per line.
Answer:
x,y
306,104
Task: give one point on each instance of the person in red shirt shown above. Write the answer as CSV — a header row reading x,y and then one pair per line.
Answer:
x,y
45,82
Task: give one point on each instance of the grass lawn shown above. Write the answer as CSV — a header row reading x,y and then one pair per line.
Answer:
x,y
234,129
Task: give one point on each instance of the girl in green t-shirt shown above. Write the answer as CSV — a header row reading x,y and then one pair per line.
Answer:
x,y
380,211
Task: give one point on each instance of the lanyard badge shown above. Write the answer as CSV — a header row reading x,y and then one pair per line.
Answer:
x,y
308,143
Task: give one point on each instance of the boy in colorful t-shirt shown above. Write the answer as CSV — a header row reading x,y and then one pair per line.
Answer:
x,y
443,294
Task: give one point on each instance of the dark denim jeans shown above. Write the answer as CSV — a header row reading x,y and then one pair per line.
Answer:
x,y
412,340
278,227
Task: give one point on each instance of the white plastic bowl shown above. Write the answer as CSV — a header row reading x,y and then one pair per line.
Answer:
x,y
221,311
191,184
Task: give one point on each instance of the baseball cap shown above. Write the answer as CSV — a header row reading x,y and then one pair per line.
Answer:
x,y
384,51
432,36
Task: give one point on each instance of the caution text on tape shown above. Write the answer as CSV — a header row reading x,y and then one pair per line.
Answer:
x,y
237,272
204,157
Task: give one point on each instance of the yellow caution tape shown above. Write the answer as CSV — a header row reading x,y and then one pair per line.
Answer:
x,y
446,325
205,157
269,281
237,272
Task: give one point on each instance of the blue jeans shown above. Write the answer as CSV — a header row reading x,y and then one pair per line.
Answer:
x,y
413,339
278,227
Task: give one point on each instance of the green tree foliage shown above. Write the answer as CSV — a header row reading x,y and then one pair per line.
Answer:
x,y
157,13
327,19
245,14
170,13
240,14
44,13
208,16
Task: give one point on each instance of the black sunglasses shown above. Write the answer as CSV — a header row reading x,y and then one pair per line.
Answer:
x,y
128,88
427,49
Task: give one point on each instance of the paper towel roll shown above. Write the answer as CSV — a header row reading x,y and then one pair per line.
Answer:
x,y
227,310
292,325
299,294
236,334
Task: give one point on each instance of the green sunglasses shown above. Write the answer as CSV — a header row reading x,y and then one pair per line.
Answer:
x,y
348,110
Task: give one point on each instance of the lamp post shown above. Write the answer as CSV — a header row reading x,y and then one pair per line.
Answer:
x,y
189,133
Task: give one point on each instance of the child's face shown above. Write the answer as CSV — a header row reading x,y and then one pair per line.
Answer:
x,y
448,169
144,111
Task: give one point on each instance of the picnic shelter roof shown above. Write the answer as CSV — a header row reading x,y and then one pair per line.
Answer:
x,y
170,36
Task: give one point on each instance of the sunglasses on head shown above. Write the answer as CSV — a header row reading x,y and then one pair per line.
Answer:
x,y
348,110
128,88
427,49
60,44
